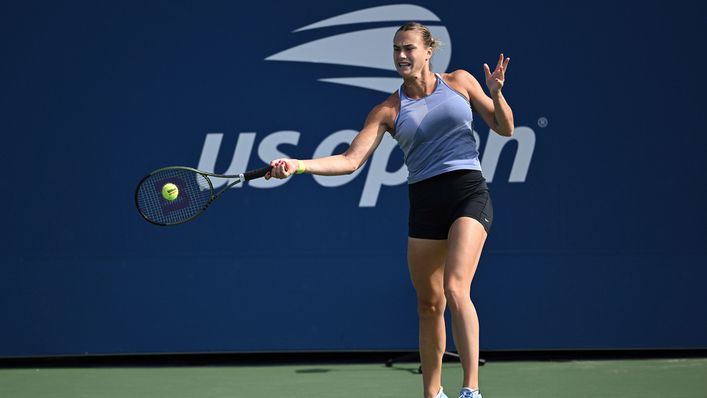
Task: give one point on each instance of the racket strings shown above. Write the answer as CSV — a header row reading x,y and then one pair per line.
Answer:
x,y
194,195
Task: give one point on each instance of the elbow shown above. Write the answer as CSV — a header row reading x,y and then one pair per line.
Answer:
x,y
352,166
351,163
356,165
503,126
506,131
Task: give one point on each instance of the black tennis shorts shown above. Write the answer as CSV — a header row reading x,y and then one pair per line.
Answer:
x,y
435,203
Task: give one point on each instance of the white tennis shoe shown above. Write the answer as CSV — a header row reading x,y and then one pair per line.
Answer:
x,y
469,393
441,393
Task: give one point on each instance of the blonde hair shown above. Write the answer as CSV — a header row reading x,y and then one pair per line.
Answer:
x,y
424,32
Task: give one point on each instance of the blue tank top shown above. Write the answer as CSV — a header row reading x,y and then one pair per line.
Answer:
x,y
435,133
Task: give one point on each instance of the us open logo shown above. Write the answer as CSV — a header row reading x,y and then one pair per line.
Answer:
x,y
368,49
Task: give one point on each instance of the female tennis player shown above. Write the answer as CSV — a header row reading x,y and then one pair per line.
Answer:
x,y
430,116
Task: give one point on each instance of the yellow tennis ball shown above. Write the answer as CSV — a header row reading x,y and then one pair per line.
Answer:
x,y
170,191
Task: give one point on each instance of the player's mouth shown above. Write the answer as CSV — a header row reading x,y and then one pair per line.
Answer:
x,y
402,65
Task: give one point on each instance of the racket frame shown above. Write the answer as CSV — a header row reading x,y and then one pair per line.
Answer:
x,y
238,178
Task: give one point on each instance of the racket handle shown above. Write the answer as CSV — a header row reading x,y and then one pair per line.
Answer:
x,y
253,174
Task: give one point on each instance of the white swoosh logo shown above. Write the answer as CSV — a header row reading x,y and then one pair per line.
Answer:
x,y
368,48
402,12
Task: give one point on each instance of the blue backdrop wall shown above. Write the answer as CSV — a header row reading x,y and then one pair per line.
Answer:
x,y
599,237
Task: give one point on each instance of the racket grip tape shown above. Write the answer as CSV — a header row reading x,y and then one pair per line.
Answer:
x,y
258,173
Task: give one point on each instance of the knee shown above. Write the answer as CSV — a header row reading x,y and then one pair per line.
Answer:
x,y
431,307
457,296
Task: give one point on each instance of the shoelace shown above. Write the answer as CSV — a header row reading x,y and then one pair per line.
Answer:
x,y
467,394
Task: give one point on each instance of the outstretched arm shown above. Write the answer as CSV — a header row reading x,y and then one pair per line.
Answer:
x,y
354,157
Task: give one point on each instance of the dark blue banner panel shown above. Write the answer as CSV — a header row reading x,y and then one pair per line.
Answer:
x,y
599,239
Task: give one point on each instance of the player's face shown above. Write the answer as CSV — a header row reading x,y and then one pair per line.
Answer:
x,y
410,53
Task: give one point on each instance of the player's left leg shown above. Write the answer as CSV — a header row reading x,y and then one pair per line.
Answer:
x,y
466,240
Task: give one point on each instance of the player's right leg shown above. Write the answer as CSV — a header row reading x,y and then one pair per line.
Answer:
x,y
426,260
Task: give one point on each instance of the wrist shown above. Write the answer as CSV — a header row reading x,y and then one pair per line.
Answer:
x,y
300,167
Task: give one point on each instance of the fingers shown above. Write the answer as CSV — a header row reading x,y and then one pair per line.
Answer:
x,y
501,66
280,169
270,174
504,67
495,80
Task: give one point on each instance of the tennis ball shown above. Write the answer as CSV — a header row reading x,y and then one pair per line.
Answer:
x,y
170,191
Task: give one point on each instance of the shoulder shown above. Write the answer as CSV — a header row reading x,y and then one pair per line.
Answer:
x,y
461,78
392,102
465,83
457,75
386,111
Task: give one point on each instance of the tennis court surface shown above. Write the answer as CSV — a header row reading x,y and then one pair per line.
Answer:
x,y
675,378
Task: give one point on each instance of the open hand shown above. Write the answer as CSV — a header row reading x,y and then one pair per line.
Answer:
x,y
495,80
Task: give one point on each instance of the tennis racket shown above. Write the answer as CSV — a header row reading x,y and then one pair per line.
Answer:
x,y
177,194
